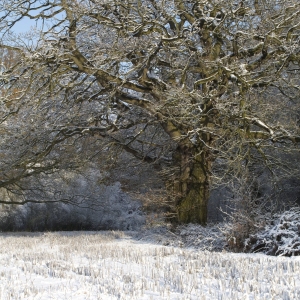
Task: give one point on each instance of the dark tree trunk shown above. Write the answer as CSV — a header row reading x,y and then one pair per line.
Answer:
x,y
192,185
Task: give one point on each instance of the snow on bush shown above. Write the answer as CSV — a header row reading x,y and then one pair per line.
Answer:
x,y
208,238
99,207
280,237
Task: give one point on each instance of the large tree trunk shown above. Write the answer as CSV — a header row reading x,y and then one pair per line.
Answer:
x,y
192,185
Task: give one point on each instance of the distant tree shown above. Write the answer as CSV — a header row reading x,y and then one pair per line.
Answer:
x,y
181,84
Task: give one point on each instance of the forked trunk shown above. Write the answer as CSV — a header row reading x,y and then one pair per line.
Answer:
x,y
192,185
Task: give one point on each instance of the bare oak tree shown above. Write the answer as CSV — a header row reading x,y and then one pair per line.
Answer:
x,y
185,84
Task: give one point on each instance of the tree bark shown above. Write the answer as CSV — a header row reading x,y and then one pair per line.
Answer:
x,y
192,186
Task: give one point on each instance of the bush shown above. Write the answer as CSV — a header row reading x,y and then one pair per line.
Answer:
x,y
248,217
280,237
99,208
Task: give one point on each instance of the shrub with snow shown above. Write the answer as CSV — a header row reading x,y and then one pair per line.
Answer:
x,y
99,208
280,237
208,238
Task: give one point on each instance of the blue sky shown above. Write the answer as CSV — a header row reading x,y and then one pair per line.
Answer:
x,y
24,25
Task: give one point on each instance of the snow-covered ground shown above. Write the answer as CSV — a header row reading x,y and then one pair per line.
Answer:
x,y
113,265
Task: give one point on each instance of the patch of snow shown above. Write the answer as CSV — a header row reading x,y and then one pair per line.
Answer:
x,y
113,265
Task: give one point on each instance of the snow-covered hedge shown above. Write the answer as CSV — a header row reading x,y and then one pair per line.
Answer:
x,y
99,208
280,237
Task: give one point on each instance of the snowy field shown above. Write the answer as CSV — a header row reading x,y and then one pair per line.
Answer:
x,y
111,265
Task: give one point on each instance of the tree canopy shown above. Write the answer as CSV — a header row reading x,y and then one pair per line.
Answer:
x,y
186,85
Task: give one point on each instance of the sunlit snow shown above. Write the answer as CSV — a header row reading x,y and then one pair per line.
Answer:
x,y
112,265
